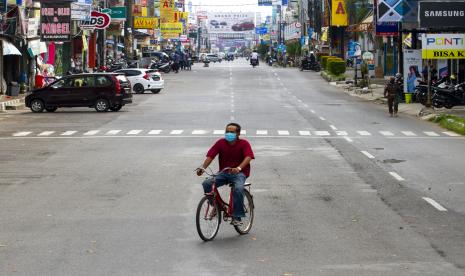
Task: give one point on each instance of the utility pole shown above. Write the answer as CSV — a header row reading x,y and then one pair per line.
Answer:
x,y
128,35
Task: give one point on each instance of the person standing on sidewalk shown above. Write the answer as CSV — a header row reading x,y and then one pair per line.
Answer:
x,y
393,93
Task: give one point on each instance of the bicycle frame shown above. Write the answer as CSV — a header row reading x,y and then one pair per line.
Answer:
x,y
222,205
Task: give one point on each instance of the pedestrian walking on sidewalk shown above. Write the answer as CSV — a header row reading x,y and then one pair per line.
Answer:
x,y
393,93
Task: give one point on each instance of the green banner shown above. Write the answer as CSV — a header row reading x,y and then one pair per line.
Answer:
x,y
117,13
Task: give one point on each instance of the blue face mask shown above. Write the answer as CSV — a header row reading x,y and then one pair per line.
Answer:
x,y
230,137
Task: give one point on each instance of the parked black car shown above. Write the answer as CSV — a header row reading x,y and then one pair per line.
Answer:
x,y
102,91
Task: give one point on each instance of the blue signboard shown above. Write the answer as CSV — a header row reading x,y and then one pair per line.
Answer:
x,y
3,6
265,3
261,30
285,2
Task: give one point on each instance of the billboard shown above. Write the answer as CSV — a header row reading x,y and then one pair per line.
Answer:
x,y
438,15
55,22
390,10
339,13
230,22
443,46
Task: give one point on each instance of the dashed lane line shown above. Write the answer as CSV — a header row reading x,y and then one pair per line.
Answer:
x,y
408,133
91,132
199,132
22,133
177,131
341,133
155,132
431,133
386,133
305,133
46,133
134,132
367,154
364,133
69,133
397,176
450,133
436,205
283,132
262,132
322,118
218,132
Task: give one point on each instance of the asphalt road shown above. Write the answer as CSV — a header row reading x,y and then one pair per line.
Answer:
x,y
339,187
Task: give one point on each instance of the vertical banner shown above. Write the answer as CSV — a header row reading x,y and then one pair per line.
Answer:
x,y
55,22
412,69
339,16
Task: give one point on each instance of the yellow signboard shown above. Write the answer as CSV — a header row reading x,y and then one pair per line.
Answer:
x,y
167,11
443,54
175,28
339,13
145,22
170,36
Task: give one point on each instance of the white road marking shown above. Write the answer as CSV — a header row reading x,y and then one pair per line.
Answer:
x,y
155,132
367,154
408,133
386,133
177,131
278,78
262,132
199,132
341,133
243,132
333,127
431,133
46,133
305,133
322,133
313,111
322,118
450,133
299,100
435,204
306,105
91,132
218,132
134,132
22,133
113,132
348,139
283,132
364,133
68,133
396,176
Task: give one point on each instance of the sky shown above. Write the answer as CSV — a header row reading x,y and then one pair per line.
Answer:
x,y
231,5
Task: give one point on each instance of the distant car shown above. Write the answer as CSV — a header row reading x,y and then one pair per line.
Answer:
x,y
213,57
144,80
224,23
244,26
102,91
214,23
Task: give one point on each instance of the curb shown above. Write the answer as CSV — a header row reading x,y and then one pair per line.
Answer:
x,y
4,105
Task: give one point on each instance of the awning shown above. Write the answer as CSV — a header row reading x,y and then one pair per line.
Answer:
x,y
363,27
10,49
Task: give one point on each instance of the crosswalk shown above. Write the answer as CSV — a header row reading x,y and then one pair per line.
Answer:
x,y
219,132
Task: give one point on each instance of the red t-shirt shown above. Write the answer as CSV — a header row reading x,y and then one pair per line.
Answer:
x,y
232,155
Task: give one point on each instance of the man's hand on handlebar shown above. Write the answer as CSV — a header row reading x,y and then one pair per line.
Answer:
x,y
200,171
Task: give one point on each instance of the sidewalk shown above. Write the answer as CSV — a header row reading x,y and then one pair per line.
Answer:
x,y
11,103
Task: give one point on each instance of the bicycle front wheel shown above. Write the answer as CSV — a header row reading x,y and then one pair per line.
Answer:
x,y
247,221
208,219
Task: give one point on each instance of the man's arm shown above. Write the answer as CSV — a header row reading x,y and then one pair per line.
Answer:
x,y
205,165
243,164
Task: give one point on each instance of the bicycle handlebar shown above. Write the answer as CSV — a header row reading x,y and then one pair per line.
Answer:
x,y
211,172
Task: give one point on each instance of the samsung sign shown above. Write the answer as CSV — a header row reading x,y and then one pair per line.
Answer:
x,y
438,15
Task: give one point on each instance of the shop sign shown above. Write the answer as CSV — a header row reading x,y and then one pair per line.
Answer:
x,y
389,10
116,13
97,20
32,27
173,28
339,13
387,28
3,6
80,11
55,22
443,46
442,14
145,22
265,3
368,56
412,67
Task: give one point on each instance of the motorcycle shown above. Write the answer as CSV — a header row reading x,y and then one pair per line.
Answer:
x,y
164,67
254,62
449,97
421,90
307,65
206,63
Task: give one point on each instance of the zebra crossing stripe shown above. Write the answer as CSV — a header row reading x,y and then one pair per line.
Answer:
x,y
134,132
218,132
431,133
243,132
262,132
68,133
177,131
342,133
283,132
408,133
113,132
91,132
155,132
364,133
450,133
305,133
46,133
22,133
386,133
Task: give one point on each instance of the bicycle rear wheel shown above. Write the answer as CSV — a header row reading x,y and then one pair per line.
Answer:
x,y
247,221
208,219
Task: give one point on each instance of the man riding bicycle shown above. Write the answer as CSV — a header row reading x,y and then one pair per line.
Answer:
x,y
234,153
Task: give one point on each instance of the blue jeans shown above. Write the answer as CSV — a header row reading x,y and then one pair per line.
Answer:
x,y
238,196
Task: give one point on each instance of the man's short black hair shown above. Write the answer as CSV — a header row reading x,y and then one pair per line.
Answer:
x,y
238,127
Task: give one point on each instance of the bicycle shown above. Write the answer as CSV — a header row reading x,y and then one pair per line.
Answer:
x,y
211,206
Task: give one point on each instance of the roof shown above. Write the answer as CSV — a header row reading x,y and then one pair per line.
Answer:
x,y
363,27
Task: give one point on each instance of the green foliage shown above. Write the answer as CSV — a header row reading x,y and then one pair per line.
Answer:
x,y
451,122
364,68
262,50
293,48
320,55
324,59
328,60
336,66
